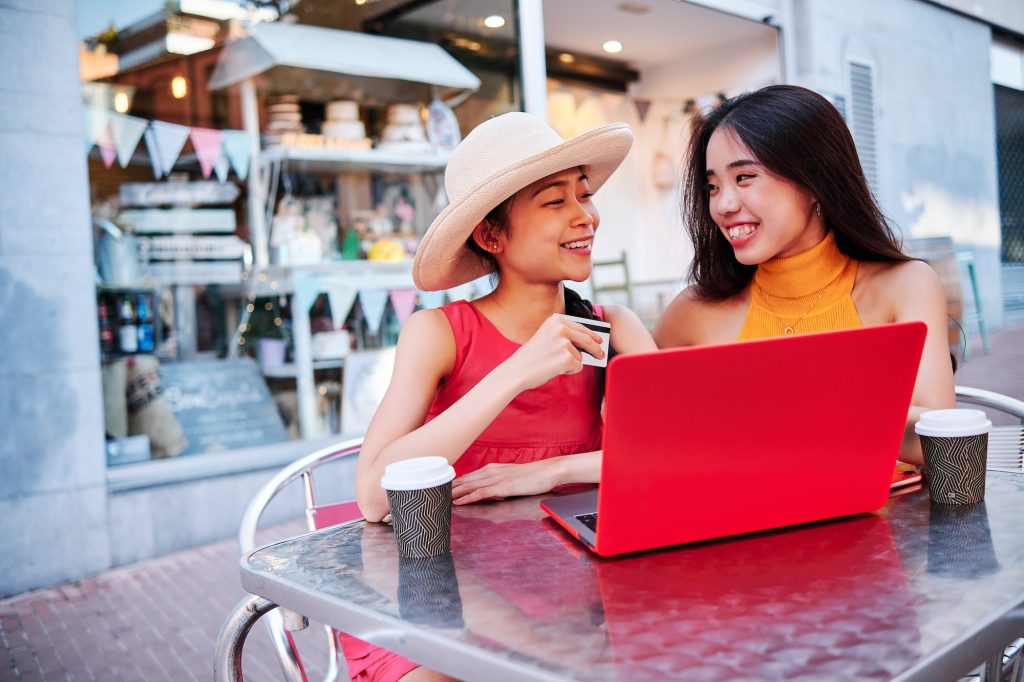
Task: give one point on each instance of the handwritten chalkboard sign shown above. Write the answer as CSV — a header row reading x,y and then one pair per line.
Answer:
x,y
221,404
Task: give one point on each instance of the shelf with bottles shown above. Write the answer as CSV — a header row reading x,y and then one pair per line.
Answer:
x,y
129,321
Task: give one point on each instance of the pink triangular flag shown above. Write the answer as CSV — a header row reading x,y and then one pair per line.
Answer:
x,y
105,141
207,145
404,302
642,105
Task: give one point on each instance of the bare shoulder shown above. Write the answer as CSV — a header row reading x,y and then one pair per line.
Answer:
x,y
905,290
690,320
629,335
426,338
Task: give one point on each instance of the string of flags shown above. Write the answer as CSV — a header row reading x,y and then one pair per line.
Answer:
x,y
118,135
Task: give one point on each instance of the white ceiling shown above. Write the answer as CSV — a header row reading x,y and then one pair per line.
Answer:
x,y
668,32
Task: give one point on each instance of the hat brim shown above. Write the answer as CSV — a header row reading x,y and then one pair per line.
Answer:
x,y
442,260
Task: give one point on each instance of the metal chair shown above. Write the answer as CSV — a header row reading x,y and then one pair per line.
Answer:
x,y
1005,452
279,624
977,315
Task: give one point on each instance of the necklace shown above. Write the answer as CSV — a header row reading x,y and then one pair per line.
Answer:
x,y
790,329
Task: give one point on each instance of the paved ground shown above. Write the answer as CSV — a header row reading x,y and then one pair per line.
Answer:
x,y
159,619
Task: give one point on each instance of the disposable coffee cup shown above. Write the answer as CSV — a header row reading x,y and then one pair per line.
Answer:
x,y
420,496
955,444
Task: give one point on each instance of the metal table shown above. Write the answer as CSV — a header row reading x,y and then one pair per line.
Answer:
x,y
914,592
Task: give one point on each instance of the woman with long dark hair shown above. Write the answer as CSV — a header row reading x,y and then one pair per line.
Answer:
x,y
789,240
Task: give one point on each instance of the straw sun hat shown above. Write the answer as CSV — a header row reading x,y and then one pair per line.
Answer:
x,y
497,159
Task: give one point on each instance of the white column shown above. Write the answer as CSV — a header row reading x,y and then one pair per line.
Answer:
x,y
532,57
257,204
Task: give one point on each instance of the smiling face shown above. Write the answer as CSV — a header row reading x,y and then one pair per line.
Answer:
x,y
763,216
551,227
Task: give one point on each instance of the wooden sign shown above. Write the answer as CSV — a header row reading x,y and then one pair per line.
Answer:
x,y
178,220
221,404
188,247
177,193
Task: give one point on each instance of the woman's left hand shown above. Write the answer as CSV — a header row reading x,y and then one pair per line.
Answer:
x,y
496,481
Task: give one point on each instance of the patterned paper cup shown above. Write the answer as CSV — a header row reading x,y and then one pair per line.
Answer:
x,y
420,496
955,444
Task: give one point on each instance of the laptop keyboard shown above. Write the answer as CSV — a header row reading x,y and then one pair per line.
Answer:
x,y
588,520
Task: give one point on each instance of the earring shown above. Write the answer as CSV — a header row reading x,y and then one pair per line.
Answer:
x,y
817,208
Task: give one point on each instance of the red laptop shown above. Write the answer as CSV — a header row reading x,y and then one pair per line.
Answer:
x,y
713,441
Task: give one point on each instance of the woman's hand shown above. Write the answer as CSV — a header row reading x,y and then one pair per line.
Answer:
x,y
507,480
555,348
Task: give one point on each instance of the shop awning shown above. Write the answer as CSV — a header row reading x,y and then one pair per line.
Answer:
x,y
325,63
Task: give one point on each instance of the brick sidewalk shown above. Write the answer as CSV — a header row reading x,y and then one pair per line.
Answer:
x,y
159,619
156,620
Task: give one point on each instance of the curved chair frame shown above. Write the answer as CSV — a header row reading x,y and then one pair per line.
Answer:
x,y
284,646
997,669
996,401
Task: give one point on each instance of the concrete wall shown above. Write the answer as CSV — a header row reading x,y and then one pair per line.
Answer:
x,y
53,494
935,117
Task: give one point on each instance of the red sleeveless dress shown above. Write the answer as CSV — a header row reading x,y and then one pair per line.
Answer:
x,y
560,417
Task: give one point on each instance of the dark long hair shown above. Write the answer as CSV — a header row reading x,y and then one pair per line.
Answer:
x,y
795,134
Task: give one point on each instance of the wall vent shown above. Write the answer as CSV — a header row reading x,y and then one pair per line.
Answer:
x,y
862,120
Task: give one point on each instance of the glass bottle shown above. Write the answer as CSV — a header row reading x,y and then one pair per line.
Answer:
x,y
107,344
145,325
128,333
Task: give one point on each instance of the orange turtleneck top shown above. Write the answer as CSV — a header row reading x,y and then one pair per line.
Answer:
x,y
808,292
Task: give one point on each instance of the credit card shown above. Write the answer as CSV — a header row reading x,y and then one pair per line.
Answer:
x,y
602,329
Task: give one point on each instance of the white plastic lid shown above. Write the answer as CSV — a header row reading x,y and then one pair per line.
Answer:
x,y
417,473
956,422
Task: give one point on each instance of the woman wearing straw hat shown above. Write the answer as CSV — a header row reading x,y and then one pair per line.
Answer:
x,y
497,386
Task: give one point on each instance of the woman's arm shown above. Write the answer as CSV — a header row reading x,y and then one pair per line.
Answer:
x,y
916,294
628,335
425,355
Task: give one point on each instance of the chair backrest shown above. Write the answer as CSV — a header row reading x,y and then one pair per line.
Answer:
x,y
991,400
622,283
1005,444
317,516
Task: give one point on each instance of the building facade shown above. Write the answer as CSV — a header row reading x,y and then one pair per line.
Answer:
x,y
933,91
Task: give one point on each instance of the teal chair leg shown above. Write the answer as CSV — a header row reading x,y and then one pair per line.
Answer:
x,y
966,260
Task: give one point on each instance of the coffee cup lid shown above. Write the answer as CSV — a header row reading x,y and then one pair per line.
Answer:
x,y
417,473
958,422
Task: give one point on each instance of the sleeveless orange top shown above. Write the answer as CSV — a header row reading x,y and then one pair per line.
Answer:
x,y
808,292
560,417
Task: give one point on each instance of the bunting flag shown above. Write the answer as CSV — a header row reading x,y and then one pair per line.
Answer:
x,y
372,302
165,141
206,142
96,120
105,141
238,148
150,137
305,287
404,303
341,299
127,131
642,105
221,167
431,299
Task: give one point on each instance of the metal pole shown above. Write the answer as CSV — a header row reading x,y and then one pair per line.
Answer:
x,y
256,209
532,57
227,662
